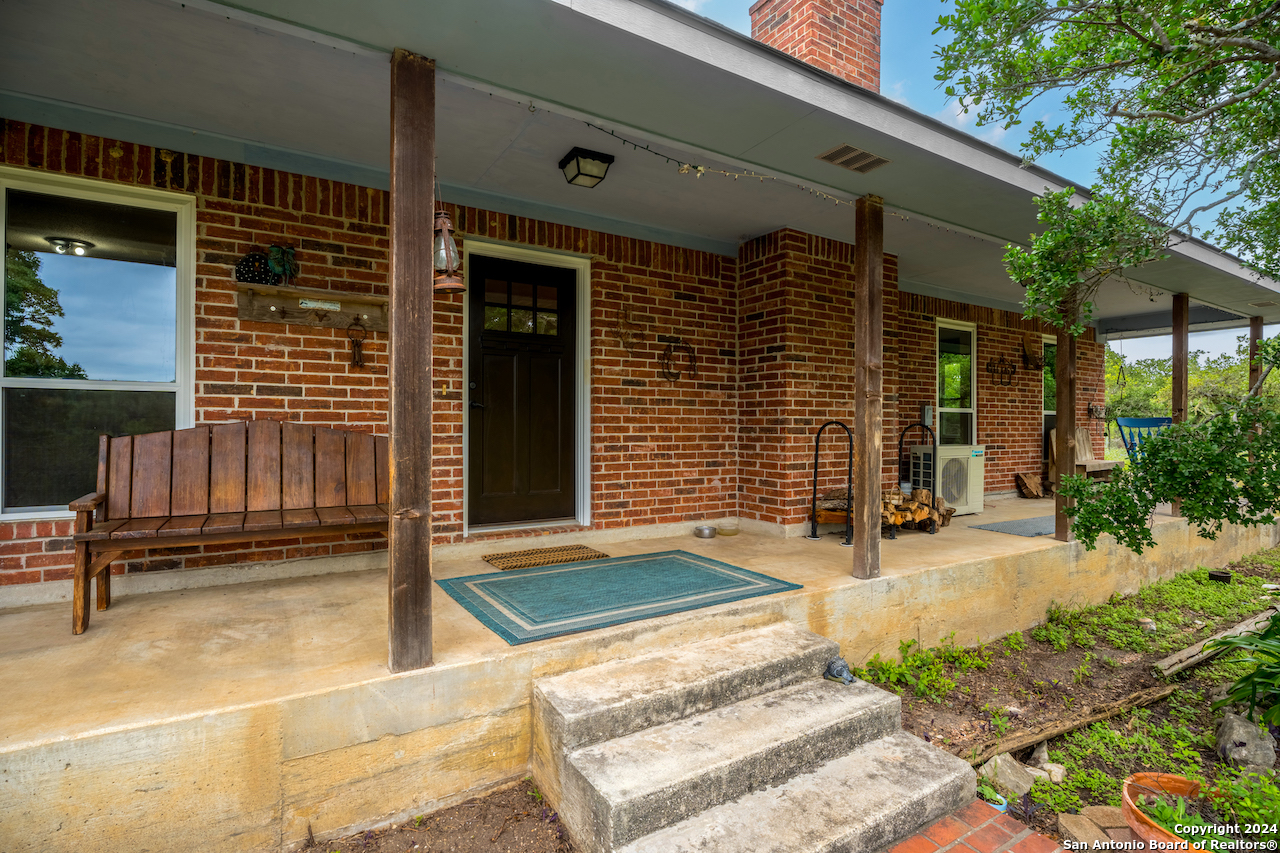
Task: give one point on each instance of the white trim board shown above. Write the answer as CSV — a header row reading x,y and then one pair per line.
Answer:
x,y
581,264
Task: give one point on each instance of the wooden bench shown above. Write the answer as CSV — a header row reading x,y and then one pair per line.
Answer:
x,y
1086,464
224,483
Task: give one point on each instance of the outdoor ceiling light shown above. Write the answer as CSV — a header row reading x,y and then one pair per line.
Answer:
x,y
584,168
65,246
447,261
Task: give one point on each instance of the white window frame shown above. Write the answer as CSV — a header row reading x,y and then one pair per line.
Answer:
x,y
1047,340
183,386
972,328
581,265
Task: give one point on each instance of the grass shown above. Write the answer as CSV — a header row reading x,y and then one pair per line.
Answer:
x,y
1174,605
1099,757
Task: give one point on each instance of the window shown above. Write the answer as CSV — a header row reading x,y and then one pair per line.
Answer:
x,y
955,384
1049,383
97,330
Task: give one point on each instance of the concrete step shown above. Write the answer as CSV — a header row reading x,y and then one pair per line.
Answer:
x,y
615,792
866,801
614,699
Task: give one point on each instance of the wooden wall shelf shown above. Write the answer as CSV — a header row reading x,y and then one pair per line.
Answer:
x,y
308,306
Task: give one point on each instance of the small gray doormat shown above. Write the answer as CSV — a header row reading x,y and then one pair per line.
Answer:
x,y
1039,526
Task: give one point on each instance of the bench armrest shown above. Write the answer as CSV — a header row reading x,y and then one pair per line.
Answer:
x,y
87,503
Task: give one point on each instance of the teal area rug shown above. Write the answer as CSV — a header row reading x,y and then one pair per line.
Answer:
x,y
532,604
1039,526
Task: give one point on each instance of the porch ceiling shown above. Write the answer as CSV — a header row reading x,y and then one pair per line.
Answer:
x,y
303,85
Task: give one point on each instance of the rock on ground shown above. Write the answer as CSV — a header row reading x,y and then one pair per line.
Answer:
x,y
1244,743
1005,771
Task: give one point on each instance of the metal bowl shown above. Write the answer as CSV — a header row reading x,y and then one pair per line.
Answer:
x,y
704,531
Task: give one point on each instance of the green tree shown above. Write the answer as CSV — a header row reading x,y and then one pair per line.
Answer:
x,y
30,307
1180,94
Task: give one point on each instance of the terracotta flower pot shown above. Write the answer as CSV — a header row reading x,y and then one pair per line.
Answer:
x,y
1153,783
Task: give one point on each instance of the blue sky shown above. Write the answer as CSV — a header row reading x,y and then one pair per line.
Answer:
x,y
907,66
119,316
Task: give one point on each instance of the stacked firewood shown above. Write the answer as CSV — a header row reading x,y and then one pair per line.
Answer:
x,y
919,510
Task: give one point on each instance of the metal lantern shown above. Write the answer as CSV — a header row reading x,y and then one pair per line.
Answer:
x,y
447,260
584,168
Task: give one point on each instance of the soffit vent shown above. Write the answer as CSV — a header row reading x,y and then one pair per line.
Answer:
x,y
1266,303
853,159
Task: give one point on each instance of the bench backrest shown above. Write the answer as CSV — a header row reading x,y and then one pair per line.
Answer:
x,y
1084,445
1134,431
241,467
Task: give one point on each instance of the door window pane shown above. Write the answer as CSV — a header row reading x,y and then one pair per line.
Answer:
x,y
521,320
955,369
546,298
955,428
495,292
51,438
495,319
547,324
1050,377
522,294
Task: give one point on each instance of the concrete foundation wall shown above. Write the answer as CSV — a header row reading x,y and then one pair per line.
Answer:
x,y
253,778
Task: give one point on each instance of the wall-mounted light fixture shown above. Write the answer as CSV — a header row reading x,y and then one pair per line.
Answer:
x,y
66,246
584,168
447,260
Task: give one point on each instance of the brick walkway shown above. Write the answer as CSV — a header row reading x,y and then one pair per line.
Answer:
x,y
976,828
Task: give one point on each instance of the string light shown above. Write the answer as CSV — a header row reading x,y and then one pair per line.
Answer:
x,y
698,171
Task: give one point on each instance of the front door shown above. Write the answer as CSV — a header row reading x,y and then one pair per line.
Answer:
x,y
520,458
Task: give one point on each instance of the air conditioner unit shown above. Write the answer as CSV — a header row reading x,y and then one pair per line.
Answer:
x,y
960,467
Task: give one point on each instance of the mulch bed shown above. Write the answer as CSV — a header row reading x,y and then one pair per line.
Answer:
x,y
510,820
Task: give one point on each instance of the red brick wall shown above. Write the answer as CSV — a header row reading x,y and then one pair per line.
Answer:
x,y
839,36
796,364
772,332
1010,419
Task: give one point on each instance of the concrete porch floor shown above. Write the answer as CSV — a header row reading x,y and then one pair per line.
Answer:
x,y
174,653
275,695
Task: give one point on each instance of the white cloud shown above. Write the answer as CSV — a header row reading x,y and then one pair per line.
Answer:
x,y
953,114
691,5
897,91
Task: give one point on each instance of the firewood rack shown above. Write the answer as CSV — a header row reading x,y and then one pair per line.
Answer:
x,y
933,473
813,506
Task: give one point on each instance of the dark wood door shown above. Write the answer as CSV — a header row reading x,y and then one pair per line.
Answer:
x,y
521,460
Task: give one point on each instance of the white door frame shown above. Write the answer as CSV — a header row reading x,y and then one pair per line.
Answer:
x,y
581,265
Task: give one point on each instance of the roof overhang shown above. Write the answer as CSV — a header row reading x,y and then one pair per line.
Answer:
x,y
303,85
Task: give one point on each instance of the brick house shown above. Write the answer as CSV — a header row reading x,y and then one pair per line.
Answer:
x,y
270,131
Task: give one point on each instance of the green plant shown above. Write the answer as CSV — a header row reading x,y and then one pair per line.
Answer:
x,y
1174,814
1251,798
1013,643
1260,687
988,792
999,721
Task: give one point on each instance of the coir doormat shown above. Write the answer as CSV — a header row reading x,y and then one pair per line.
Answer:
x,y
532,604
543,557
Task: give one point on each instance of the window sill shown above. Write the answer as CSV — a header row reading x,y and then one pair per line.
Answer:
x,y
46,515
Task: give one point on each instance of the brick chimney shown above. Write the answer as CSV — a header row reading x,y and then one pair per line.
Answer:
x,y
839,36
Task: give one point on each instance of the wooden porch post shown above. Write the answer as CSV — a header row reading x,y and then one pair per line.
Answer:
x,y
1064,370
1181,358
1255,337
868,382
1181,354
413,142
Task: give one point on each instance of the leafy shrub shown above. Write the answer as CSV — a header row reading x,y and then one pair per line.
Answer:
x,y
1260,687
1251,799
